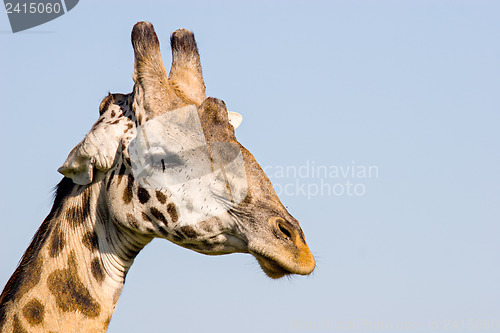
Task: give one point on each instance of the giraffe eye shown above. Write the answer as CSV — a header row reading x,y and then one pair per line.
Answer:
x,y
161,162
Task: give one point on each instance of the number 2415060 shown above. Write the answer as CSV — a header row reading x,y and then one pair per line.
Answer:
x,y
33,8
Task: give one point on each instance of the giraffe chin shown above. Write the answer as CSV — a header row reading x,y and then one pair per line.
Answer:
x,y
271,267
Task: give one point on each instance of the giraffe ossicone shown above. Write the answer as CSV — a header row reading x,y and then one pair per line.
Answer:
x,y
160,162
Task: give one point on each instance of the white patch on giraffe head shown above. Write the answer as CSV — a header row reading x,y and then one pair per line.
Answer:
x,y
170,153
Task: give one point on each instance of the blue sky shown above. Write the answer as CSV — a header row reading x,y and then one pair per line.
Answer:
x,y
408,87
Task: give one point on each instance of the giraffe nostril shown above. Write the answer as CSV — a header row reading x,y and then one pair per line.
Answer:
x,y
284,230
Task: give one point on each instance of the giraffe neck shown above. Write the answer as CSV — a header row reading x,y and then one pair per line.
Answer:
x,y
71,276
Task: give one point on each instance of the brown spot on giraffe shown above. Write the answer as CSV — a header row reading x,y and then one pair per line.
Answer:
x,y
57,243
127,193
31,276
162,198
70,293
121,173
132,221
77,214
158,215
122,170
172,211
73,215
110,180
91,241
146,217
97,270
33,312
189,231
143,195
129,126
17,327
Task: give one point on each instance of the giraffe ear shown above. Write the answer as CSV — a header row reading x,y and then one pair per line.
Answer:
x,y
97,150
235,119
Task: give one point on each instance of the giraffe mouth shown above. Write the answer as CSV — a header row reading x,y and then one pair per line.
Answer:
x,y
271,267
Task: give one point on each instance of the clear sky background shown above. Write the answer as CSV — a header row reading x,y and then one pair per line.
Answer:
x,y
410,88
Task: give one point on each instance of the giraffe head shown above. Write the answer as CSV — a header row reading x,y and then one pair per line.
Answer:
x,y
171,167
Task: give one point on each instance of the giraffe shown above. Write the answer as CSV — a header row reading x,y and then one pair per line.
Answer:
x,y
160,162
